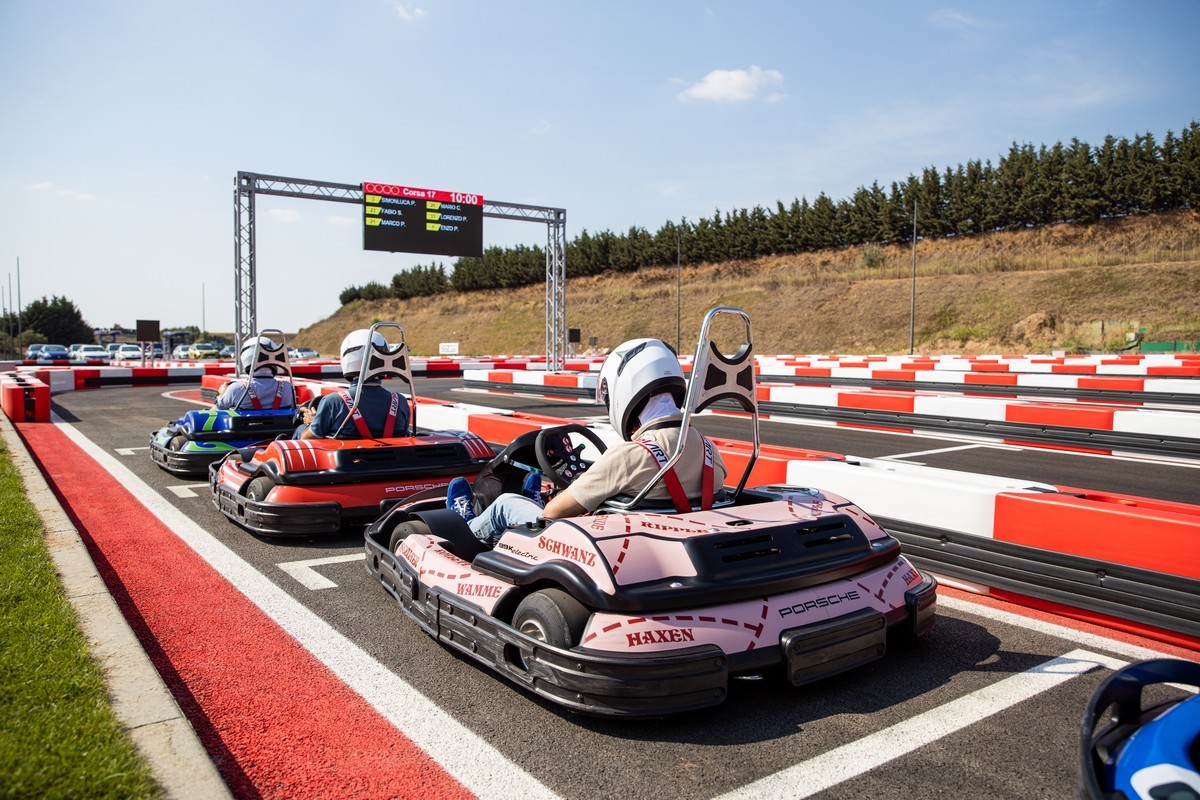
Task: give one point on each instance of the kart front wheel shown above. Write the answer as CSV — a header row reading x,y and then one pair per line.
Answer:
x,y
404,530
553,617
259,488
177,442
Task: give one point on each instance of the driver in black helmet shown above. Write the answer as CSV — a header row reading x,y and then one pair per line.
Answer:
x,y
642,385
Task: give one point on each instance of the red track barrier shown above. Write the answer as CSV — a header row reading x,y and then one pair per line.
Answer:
x,y
25,399
1151,534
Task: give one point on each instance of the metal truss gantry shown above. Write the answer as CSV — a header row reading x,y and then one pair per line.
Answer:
x,y
250,184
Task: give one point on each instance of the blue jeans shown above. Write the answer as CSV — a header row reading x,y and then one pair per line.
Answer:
x,y
509,509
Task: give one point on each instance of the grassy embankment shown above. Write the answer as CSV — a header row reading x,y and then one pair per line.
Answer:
x,y
1074,287
58,736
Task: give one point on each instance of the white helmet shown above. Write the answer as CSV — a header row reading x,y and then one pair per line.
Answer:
x,y
634,372
270,355
354,350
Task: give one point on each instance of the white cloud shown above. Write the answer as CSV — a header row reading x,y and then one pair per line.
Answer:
x,y
953,18
339,221
410,13
736,86
47,186
287,216
542,127
666,189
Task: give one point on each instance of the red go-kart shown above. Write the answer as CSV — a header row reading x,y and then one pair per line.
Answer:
x,y
307,487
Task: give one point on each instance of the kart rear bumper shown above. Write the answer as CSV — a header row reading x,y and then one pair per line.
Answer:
x,y
179,462
631,685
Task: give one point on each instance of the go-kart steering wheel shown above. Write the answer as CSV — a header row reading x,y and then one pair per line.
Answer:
x,y
558,458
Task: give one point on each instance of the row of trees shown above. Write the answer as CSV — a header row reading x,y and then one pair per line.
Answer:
x,y
1029,186
55,319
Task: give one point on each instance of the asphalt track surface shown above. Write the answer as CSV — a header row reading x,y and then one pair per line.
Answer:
x,y
305,680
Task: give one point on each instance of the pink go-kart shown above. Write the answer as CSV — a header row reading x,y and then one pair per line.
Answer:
x,y
642,611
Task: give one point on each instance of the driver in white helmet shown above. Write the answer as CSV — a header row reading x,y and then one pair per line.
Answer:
x,y
380,412
260,390
642,385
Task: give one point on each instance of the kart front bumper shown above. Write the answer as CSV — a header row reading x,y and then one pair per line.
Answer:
x,y
276,520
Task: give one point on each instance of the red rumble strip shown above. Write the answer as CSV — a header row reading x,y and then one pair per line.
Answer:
x,y
276,722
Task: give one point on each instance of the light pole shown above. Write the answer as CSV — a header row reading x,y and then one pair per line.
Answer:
x,y
20,329
678,289
912,304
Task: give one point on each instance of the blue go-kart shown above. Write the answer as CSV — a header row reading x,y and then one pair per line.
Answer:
x,y
189,444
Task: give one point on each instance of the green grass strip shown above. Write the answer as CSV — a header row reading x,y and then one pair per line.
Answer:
x,y
59,737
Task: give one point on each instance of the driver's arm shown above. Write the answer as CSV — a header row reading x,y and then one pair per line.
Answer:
x,y
563,505
308,415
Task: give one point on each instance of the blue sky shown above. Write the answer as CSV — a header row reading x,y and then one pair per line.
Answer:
x,y
126,122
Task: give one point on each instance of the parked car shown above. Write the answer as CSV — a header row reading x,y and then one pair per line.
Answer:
x,y
53,352
91,352
73,350
304,352
228,351
204,350
34,351
180,352
112,348
128,352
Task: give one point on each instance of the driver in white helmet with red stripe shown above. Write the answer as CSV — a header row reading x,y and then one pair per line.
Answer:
x,y
642,385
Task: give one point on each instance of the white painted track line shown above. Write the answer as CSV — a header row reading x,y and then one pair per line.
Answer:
x,y
308,577
471,760
862,755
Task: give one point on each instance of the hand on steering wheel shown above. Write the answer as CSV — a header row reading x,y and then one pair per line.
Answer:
x,y
305,412
558,458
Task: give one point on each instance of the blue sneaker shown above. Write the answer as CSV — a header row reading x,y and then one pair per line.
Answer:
x,y
532,488
460,499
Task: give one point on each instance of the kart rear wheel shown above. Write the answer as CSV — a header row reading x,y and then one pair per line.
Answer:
x,y
177,442
259,488
553,617
404,530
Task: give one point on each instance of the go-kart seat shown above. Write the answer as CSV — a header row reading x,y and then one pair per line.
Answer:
x,y
273,358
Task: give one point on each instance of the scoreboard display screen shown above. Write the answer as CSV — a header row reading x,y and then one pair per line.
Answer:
x,y
404,219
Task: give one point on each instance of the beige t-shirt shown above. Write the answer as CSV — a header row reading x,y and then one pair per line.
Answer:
x,y
627,467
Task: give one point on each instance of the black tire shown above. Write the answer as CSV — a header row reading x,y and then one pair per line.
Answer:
x,y
259,488
552,616
404,530
177,442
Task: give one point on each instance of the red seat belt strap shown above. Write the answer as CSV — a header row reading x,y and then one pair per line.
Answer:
x,y
670,479
356,417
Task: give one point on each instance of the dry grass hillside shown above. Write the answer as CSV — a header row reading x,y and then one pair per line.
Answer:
x,y
1076,287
